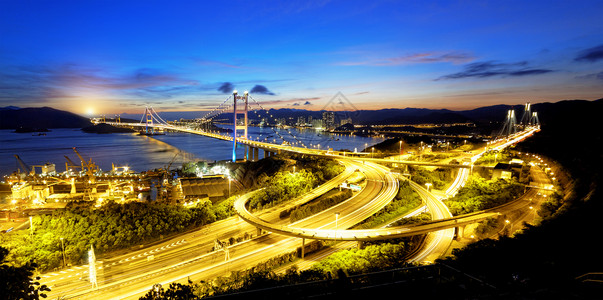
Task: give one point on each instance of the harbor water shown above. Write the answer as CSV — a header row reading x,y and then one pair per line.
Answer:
x,y
143,153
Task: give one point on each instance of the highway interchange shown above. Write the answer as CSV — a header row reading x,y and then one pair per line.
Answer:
x,y
189,256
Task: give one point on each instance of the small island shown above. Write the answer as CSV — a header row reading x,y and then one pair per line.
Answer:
x,y
103,128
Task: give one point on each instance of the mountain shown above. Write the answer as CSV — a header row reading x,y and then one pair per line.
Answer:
x,y
548,113
40,117
10,107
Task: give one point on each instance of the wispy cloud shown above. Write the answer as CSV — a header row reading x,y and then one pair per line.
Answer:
x,y
590,55
598,76
492,69
40,83
415,58
291,101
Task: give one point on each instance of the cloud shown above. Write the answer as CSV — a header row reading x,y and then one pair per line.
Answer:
x,y
416,58
590,55
31,85
491,69
260,89
226,88
598,76
290,101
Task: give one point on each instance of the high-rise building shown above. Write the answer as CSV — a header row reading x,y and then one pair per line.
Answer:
x,y
328,120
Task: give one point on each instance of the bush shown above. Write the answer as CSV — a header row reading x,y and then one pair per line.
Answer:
x,y
479,194
321,203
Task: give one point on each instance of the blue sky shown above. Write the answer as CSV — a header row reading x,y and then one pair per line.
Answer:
x,y
120,56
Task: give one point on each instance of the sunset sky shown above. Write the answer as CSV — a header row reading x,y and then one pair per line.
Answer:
x,y
108,57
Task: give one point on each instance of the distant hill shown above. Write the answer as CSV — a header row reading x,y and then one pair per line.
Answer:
x,y
10,107
547,113
40,117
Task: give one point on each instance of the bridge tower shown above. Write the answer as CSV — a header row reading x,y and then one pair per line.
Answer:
x,y
534,120
244,98
527,115
510,125
149,120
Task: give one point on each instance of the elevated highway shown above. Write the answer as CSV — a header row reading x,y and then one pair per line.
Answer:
x,y
131,275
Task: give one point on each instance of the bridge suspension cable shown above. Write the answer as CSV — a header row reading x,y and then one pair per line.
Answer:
x,y
288,131
206,117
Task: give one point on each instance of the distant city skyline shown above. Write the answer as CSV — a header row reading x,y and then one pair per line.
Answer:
x,y
113,57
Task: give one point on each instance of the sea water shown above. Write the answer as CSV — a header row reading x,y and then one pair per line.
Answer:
x,y
142,153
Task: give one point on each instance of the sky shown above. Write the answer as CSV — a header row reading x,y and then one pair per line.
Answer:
x,y
110,57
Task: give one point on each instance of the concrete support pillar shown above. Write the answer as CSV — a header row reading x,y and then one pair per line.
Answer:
x,y
460,231
256,153
259,231
303,248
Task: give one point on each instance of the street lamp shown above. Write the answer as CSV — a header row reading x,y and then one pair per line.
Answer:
x,y
63,248
336,217
509,222
372,151
400,157
428,185
229,180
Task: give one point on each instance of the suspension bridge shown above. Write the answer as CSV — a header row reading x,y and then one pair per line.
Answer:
x,y
239,106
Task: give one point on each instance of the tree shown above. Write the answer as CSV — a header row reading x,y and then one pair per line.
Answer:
x,y
18,282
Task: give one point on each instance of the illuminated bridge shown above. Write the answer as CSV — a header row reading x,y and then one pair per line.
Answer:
x,y
152,121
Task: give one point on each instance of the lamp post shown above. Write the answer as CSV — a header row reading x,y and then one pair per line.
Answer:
x,y
229,180
372,152
63,248
428,185
400,157
336,217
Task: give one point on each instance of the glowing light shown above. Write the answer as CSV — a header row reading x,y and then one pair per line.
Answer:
x,y
90,111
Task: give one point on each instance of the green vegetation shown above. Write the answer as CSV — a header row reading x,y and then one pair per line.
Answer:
x,y
115,226
550,207
479,194
493,157
109,227
356,261
439,177
406,199
286,185
339,265
283,186
420,218
18,282
329,199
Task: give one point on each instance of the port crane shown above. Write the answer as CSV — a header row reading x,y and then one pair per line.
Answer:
x,y
26,168
91,168
70,165
165,180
